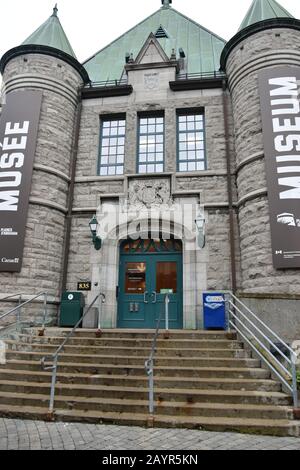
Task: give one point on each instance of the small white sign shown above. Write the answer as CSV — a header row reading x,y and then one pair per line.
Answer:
x,y
70,297
2,353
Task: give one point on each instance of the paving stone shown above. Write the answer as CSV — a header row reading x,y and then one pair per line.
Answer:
x,y
22,435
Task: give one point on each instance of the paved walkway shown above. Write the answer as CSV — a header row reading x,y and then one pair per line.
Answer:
x,y
25,435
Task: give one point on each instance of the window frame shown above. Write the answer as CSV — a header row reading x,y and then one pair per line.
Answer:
x,y
109,118
190,112
149,115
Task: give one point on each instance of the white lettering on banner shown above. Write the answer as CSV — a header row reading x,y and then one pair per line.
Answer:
x,y
14,178
9,199
5,260
293,182
294,109
16,129
287,86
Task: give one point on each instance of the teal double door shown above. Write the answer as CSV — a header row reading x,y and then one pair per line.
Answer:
x,y
143,276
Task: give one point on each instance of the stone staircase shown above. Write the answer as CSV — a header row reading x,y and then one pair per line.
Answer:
x,y
203,380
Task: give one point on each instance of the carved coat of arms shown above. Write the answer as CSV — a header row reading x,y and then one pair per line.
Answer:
x,y
151,81
150,194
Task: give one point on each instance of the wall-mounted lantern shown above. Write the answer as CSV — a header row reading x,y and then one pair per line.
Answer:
x,y
94,227
200,224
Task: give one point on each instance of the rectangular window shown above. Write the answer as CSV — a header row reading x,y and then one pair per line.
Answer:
x,y
112,146
191,141
166,276
151,143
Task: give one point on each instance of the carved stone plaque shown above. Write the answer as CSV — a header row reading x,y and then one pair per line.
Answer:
x,y
150,193
151,81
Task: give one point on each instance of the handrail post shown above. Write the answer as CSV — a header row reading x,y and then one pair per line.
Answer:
x,y
19,313
234,307
53,383
167,300
99,321
99,313
151,389
45,310
227,309
294,380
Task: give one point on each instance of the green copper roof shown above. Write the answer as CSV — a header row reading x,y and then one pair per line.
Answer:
x,y
51,34
202,48
261,10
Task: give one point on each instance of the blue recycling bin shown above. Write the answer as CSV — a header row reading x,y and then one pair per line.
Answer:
x,y
214,315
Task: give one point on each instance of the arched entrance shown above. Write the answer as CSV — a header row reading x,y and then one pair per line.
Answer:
x,y
147,268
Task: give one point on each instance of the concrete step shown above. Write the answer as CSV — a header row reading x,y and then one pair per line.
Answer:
x,y
138,342
208,368
130,360
161,395
124,361
207,375
122,351
67,400
278,427
127,333
202,380
16,383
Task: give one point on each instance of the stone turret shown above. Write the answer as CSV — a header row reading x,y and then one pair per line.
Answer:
x,y
46,62
269,37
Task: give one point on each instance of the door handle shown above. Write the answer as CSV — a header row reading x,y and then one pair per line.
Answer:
x,y
155,297
145,295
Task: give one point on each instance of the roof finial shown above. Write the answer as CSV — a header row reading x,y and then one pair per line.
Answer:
x,y
55,10
166,3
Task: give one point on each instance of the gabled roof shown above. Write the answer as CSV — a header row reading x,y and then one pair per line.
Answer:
x,y
151,52
202,48
51,34
261,10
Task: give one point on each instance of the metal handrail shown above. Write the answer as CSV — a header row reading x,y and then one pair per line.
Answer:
x,y
200,75
12,296
22,304
54,357
149,363
180,76
108,83
240,319
263,324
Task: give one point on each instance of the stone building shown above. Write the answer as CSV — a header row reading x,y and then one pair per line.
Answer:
x,y
159,135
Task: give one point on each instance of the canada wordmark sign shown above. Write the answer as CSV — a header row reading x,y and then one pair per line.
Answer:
x,y
280,105
18,133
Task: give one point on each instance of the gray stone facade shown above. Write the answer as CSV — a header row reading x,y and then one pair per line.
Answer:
x,y
204,269
209,187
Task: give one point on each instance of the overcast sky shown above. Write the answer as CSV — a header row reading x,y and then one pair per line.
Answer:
x,y
92,24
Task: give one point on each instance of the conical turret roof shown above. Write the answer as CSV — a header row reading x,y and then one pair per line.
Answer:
x,y
261,10
51,34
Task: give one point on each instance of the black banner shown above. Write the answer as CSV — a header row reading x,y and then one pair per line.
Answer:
x,y
18,134
280,108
